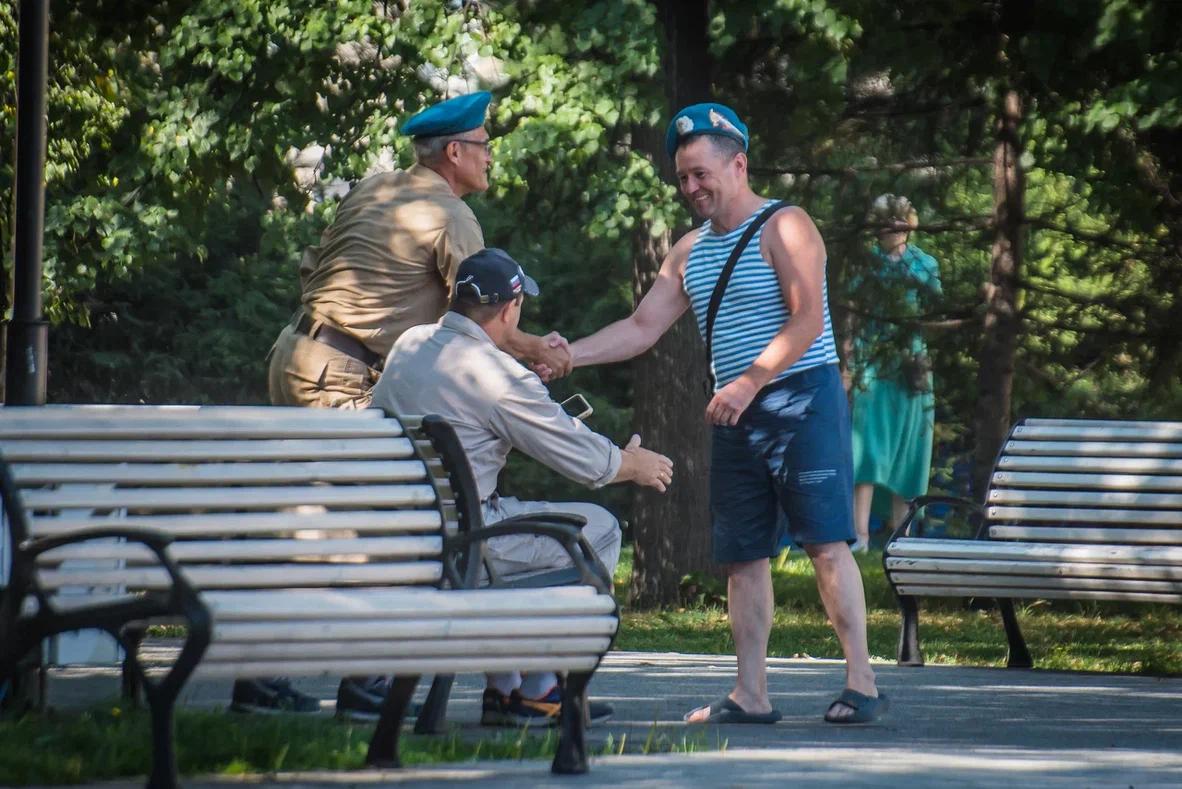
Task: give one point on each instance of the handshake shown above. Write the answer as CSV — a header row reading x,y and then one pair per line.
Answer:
x,y
549,357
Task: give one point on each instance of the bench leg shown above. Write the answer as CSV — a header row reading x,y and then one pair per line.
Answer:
x,y
433,717
162,697
571,757
1019,656
909,651
23,681
383,748
131,688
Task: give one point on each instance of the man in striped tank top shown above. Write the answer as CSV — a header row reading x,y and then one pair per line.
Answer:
x,y
780,458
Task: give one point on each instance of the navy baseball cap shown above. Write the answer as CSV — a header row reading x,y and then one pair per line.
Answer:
x,y
453,116
490,276
708,118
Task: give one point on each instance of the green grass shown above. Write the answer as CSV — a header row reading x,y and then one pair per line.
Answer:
x,y
1107,637
113,742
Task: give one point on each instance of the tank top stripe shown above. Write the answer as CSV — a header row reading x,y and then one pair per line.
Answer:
x,y
752,309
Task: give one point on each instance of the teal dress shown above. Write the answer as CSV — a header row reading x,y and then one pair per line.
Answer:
x,y
892,420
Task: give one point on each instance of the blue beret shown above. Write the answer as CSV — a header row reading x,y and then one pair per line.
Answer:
x,y
709,118
450,117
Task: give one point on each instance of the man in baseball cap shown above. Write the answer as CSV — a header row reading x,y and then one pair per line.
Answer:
x,y
459,368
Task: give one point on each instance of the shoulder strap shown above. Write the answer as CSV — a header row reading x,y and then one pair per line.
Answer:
x,y
723,278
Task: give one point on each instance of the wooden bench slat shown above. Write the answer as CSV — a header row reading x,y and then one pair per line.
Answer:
x,y
297,604
278,576
225,473
196,551
1029,567
1086,534
191,451
1096,448
249,523
1079,422
229,498
332,630
1084,515
1028,479
1033,582
1090,431
427,664
369,649
261,413
1103,465
1085,498
205,429
989,549
938,590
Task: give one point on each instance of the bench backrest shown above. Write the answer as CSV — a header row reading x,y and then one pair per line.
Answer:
x,y
1088,481
255,497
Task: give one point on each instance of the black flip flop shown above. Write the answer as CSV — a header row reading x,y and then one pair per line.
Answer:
x,y
867,709
725,710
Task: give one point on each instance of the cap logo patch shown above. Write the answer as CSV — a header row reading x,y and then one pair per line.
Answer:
x,y
515,284
685,125
719,122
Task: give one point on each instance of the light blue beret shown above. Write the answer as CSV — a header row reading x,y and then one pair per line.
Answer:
x,y
450,117
709,118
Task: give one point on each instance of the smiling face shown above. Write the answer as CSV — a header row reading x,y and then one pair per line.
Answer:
x,y
709,178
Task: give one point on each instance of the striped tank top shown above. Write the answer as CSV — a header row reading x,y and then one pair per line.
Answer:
x,y
752,309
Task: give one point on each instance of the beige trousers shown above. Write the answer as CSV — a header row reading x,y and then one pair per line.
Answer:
x,y
308,373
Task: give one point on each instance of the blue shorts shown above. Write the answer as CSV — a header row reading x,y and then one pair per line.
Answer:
x,y
785,470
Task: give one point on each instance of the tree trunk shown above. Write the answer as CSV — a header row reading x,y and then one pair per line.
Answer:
x,y
671,531
1002,324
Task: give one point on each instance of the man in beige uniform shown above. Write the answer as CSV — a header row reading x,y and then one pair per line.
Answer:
x,y
460,369
386,263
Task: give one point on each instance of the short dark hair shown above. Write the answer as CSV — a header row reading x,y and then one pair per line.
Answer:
x,y
477,312
725,145
429,150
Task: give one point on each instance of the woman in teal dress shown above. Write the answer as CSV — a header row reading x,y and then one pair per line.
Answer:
x,y
893,402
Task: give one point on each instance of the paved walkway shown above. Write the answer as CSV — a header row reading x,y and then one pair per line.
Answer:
x,y
948,726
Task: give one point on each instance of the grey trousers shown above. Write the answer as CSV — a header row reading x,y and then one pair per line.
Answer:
x,y
523,554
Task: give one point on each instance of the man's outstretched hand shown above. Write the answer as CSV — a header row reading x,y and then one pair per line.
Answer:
x,y
644,467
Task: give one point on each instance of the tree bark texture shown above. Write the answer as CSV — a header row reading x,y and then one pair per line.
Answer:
x,y
671,531
1002,323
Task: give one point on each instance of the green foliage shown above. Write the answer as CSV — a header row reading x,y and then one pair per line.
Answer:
x,y
174,224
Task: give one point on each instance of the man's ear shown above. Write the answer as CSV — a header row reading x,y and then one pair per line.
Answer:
x,y
506,314
741,162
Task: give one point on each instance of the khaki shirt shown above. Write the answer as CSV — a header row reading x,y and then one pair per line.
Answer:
x,y
389,259
453,369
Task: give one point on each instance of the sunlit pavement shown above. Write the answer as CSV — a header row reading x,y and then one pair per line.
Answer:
x,y
947,726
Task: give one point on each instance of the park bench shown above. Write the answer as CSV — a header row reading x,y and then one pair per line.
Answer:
x,y
287,541
1076,509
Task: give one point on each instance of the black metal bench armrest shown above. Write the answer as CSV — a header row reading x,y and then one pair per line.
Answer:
x,y
919,502
25,556
590,570
564,518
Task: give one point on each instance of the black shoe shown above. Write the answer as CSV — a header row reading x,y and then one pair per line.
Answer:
x,y
271,695
361,698
494,709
